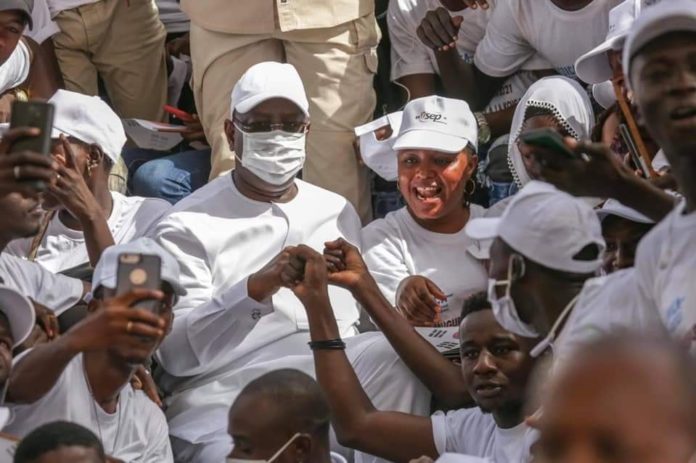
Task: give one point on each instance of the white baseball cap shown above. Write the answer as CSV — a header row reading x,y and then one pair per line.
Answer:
x,y
267,80
614,208
105,273
665,17
90,120
19,312
593,67
379,155
547,226
25,6
439,124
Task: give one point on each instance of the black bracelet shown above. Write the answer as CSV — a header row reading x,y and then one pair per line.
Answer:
x,y
329,344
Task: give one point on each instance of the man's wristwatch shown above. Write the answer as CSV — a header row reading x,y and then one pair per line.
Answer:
x,y
484,130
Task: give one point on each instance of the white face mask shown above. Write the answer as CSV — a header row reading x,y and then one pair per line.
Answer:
x,y
504,307
270,460
275,157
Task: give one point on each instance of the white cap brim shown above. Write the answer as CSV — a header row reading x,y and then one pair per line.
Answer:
x,y
593,67
19,312
483,228
429,140
253,101
614,208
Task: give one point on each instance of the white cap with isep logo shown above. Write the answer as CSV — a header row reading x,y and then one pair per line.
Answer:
x,y
438,124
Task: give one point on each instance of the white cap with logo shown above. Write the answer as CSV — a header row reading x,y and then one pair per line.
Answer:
x,y
267,80
105,273
19,312
665,17
379,155
439,124
90,120
547,226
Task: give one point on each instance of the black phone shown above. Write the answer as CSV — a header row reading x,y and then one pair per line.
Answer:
x,y
637,159
139,271
547,139
36,115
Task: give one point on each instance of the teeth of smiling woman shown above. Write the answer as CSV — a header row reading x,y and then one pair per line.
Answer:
x,y
427,192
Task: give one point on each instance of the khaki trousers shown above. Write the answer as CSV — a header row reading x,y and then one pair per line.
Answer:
x,y
337,66
123,43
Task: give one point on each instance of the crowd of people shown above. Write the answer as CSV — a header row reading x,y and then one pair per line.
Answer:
x,y
409,230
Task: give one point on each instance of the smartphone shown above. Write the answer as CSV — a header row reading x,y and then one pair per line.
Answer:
x,y
637,159
36,115
139,271
548,139
178,113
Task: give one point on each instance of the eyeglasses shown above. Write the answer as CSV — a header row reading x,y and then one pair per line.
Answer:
x,y
265,126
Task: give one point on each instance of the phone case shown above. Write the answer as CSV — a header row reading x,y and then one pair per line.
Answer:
x,y
139,271
33,114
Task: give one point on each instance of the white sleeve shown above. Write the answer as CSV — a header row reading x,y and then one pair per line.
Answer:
x,y
207,326
408,54
384,258
503,50
44,27
15,70
159,449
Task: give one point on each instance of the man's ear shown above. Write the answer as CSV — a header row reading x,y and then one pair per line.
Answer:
x,y
303,448
96,155
229,133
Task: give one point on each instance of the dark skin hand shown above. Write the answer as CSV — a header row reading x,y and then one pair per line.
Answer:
x,y
32,166
281,272
417,299
602,174
142,380
46,319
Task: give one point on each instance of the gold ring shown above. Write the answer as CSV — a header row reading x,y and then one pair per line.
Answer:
x,y
129,326
16,172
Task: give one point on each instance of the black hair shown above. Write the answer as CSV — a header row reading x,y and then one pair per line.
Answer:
x,y
475,303
298,395
52,436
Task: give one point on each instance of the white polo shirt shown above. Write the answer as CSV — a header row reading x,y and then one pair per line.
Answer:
x,y
410,56
520,30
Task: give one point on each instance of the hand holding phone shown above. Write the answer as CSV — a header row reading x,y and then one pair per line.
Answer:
x,y
139,271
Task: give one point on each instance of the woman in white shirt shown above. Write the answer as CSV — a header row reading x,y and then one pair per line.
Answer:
x,y
556,102
418,254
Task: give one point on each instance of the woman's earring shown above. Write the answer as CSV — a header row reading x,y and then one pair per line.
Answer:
x,y
469,191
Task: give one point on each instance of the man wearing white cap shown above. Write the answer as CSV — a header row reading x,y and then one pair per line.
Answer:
x,y
86,217
239,320
84,376
622,228
546,245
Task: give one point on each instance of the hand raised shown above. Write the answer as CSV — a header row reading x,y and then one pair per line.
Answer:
x,y
417,298
438,30
346,266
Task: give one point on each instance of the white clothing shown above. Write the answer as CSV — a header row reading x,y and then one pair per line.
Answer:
x,y
172,17
63,248
44,27
606,305
472,432
222,339
137,432
665,267
15,70
56,6
396,247
660,162
523,30
56,292
411,56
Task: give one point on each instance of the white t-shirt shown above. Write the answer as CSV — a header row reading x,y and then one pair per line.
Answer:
x,y
520,30
472,432
396,247
411,56
172,17
56,6
137,432
665,268
57,292
63,248
607,304
44,26
15,70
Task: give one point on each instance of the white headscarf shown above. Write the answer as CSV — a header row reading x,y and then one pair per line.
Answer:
x,y
570,106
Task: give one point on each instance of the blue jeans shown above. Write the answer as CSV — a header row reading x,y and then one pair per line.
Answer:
x,y
171,177
497,191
